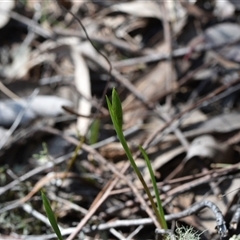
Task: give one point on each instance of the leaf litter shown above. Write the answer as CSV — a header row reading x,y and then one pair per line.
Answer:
x,y
176,69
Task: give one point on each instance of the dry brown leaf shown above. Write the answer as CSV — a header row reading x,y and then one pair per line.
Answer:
x,y
195,117
151,86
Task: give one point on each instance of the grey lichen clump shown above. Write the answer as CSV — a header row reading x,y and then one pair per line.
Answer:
x,y
183,233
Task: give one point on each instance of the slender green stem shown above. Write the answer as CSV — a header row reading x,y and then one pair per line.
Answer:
x,y
157,194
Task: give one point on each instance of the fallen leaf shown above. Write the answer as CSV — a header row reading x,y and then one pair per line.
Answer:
x,y
222,123
204,147
83,85
41,106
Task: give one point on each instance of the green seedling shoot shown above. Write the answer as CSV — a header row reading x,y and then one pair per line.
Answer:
x,y
51,216
115,109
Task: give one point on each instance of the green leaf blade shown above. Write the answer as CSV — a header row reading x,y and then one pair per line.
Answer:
x,y
117,108
51,216
157,195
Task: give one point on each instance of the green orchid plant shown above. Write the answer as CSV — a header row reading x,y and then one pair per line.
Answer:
x,y
115,109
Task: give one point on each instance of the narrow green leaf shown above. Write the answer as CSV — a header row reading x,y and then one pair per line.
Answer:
x,y
110,108
51,216
94,132
108,103
157,195
113,116
117,108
